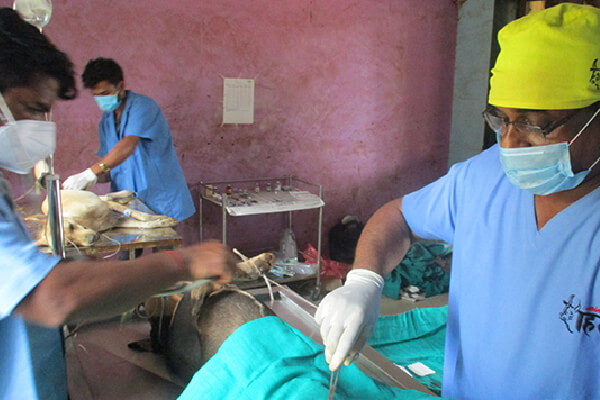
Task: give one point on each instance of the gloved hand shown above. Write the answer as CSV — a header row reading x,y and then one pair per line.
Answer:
x,y
347,316
80,181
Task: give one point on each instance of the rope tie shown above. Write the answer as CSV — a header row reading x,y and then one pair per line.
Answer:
x,y
267,280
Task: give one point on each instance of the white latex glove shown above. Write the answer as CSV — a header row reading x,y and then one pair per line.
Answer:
x,y
80,181
347,316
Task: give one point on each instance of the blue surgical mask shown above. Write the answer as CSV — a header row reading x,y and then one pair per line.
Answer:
x,y
108,102
543,169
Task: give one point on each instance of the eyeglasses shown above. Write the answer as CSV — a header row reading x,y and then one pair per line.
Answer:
x,y
500,122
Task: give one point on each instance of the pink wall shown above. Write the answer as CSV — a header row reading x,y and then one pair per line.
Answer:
x,y
355,95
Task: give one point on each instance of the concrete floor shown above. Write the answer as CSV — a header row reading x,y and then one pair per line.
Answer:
x,y
101,366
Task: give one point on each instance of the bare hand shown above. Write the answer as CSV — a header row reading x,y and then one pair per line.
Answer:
x,y
209,260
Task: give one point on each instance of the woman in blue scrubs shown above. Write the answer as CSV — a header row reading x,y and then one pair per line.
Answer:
x,y
39,292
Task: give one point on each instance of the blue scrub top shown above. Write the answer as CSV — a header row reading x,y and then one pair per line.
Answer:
x,y
153,170
32,364
524,304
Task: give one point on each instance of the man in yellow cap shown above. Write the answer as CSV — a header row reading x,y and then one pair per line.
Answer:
x,y
523,217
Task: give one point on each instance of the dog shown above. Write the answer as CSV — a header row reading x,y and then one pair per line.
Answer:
x,y
86,215
189,328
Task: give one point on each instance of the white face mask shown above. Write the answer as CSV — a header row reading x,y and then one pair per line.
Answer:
x,y
24,143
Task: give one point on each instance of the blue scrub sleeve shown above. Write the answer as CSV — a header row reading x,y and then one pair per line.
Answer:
x,y
145,119
431,211
22,266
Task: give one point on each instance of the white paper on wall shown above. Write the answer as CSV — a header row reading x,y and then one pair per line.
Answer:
x,y
238,101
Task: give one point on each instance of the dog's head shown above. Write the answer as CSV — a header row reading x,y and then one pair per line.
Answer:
x,y
74,233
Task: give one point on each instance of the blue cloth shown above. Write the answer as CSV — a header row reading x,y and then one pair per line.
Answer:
x,y
524,304
414,336
420,268
32,364
269,359
152,171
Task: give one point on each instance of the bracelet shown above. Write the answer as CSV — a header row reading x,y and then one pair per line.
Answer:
x,y
177,259
104,167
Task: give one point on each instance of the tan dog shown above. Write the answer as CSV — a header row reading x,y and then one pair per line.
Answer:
x,y
86,214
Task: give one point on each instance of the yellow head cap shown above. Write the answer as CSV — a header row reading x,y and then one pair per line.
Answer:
x,y
549,60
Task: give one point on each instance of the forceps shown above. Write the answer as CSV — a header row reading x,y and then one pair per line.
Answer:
x,y
333,380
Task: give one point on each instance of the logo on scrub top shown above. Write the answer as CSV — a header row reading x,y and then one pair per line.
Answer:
x,y
586,319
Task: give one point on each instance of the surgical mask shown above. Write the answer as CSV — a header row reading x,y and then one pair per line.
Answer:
x,y
543,169
108,102
23,143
